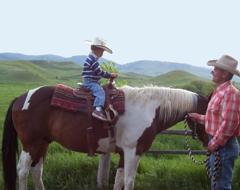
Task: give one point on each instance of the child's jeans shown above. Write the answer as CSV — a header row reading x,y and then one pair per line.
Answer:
x,y
97,91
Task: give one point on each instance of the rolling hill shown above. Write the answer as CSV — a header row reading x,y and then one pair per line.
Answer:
x,y
175,78
49,57
155,68
42,72
143,67
45,72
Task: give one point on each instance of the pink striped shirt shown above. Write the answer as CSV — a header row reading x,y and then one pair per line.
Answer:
x,y
222,118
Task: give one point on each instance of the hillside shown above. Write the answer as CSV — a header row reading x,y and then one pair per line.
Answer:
x,y
42,72
156,68
143,67
49,57
45,72
175,78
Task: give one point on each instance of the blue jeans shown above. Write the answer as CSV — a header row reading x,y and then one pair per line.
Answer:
x,y
97,91
228,155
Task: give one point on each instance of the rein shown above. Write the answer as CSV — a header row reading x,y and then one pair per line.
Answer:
x,y
194,135
215,173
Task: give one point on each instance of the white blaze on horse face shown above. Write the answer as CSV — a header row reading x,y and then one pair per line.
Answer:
x,y
29,95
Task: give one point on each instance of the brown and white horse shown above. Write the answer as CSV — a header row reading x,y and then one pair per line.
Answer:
x,y
30,118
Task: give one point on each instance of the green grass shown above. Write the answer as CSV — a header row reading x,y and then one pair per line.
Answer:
x,y
76,171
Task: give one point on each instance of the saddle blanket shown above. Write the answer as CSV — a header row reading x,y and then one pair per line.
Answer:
x,y
79,100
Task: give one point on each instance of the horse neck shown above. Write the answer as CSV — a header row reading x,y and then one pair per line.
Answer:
x,y
168,105
163,123
169,116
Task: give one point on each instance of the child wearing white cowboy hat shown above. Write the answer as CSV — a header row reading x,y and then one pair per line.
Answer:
x,y
92,73
222,119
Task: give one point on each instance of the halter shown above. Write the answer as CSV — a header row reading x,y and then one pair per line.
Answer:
x,y
217,161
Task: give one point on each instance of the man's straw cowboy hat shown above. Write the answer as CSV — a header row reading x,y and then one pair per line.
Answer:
x,y
226,63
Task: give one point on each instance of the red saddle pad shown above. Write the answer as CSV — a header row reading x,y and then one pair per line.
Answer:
x,y
76,99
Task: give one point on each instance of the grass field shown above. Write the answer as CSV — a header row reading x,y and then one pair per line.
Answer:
x,y
67,170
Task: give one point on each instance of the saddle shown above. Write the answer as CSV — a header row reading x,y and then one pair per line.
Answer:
x,y
81,99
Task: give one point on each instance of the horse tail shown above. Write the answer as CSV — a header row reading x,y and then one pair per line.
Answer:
x,y
9,151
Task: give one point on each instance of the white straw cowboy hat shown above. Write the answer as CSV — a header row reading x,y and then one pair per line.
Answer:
x,y
100,43
226,63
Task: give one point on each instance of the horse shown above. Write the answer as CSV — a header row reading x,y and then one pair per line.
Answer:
x,y
31,118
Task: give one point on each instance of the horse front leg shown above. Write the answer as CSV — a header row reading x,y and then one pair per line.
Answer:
x,y
131,161
103,171
119,178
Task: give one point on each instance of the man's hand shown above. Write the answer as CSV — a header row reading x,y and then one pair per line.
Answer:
x,y
192,116
212,147
114,75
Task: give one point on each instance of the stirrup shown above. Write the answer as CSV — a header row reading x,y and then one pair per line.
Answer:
x,y
114,112
100,117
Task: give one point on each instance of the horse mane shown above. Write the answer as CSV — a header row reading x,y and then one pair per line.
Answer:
x,y
173,102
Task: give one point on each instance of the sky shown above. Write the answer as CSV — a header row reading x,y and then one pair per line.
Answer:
x,y
183,31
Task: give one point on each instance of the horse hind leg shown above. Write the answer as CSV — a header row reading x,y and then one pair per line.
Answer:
x,y
32,161
23,168
39,153
36,172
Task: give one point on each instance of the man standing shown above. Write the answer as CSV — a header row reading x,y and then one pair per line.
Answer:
x,y
222,119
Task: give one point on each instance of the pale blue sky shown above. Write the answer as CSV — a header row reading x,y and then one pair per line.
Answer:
x,y
185,31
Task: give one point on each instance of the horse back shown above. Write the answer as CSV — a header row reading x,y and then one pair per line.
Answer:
x,y
33,98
